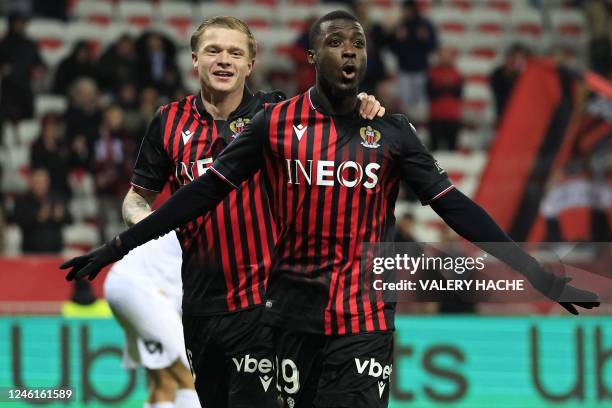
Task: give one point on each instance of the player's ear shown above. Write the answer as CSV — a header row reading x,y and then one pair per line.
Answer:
x,y
250,66
194,60
310,54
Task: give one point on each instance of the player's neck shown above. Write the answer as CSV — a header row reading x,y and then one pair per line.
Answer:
x,y
335,105
220,105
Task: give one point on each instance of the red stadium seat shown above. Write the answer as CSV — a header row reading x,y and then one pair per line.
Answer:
x,y
136,13
96,12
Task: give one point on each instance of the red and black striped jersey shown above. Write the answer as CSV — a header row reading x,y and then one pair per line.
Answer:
x,y
226,253
332,183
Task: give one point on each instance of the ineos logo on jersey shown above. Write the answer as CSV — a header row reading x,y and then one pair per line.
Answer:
x,y
376,370
248,364
185,173
326,173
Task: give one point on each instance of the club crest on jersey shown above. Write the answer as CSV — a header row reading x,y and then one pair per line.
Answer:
x,y
370,137
238,125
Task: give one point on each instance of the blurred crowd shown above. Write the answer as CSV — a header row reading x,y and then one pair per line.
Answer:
x,y
112,95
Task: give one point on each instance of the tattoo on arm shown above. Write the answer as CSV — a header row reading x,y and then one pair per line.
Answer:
x,y
137,205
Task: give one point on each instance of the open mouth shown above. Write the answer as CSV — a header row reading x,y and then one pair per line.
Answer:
x,y
223,74
349,72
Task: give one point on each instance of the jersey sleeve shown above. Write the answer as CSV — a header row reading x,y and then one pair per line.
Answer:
x,y
243,157
153,166
418,169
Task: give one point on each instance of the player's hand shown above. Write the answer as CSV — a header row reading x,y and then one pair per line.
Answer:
x,y
571,296
369,107
558,289
92,263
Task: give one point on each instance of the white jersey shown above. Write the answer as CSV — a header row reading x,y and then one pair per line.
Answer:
x,y
144,291
158,263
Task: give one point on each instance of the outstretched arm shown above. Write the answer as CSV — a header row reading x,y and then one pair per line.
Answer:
x,y
422,173
239,161
473,223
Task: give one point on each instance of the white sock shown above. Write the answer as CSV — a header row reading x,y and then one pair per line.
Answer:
x,y
146,405
165,404
186,398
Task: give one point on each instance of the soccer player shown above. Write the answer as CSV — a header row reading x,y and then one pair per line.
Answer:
x,y
332,179
144,291
226,254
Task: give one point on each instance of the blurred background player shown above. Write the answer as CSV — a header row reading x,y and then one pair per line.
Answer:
x,y
144,292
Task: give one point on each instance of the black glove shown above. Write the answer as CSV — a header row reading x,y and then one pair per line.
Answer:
x,y
92,263
558,289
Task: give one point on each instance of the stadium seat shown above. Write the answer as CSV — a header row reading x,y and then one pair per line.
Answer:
x,y
569,23
478,104
461,5
257,18
83,208
49,103
214,9
135,12
450,20
526,23
28,131
12,240
502,6
178,15
488,21
53,56
49,34
81,235
475,69
294,17
94,11
484,46
82,184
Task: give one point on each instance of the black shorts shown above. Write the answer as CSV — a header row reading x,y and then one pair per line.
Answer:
x,y
334,371
232,359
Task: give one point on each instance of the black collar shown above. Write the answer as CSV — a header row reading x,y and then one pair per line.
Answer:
x,y
314,98
242,109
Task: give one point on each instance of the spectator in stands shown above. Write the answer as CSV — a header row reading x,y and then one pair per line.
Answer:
x,y
304,71
40,216
412,41
127,99
82,121
112,166
158,67
149,102
118,64
20,63
376,39
80,63
50,153
444,88
504,77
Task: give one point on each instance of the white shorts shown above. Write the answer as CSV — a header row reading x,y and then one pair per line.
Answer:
x,y
151,322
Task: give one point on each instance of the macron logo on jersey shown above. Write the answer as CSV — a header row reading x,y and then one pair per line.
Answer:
x,y
186,135
299,131
376,370
264,368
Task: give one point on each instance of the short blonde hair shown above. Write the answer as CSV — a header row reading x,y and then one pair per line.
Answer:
x,y
231,23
